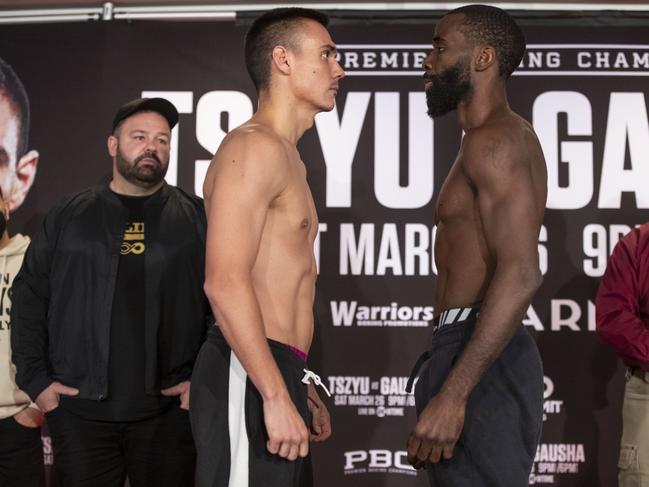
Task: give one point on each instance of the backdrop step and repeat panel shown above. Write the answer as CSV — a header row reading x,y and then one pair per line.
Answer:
x,y
375,165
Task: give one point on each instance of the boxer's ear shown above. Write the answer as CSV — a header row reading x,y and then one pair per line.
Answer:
x,y
485,57
281,60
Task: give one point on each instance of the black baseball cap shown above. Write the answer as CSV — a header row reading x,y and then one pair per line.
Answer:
x,y
158,105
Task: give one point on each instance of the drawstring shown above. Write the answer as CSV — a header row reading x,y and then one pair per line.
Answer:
x,y
448,317
415,370
308,375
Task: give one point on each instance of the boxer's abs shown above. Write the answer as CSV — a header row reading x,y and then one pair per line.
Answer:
x,y
285,295
463,271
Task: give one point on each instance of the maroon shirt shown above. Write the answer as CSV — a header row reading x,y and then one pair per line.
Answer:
x,y
623,299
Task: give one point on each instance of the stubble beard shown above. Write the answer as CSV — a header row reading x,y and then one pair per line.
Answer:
x,y
143,176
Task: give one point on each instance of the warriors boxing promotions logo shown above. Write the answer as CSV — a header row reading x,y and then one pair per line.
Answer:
x,y
351,313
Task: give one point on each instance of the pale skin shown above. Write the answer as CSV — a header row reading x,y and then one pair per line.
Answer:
x,y
262,223
488,217
141,133
17,172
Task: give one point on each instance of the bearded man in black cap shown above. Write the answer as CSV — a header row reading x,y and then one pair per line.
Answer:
x,y
109,314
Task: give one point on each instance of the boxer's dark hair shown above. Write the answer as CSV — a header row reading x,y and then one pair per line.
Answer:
x,y
486,25
276,27
12,88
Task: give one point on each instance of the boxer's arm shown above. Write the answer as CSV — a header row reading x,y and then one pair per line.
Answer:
x,y
250,171
498,165
500,174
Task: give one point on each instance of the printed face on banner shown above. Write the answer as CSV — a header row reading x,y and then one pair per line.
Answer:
x,y
316,70
16,172
9,129
141,150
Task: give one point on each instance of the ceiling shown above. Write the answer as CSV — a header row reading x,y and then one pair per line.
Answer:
x,y
18,4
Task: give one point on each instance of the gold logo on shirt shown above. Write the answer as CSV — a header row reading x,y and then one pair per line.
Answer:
x,y
133,239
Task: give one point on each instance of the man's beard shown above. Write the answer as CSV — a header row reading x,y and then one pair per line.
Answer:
x,y
448,88
143,176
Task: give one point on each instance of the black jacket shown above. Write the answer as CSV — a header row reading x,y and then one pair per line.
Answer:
x,y
63,294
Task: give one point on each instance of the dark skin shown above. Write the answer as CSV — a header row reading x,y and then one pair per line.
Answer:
x,y
488,217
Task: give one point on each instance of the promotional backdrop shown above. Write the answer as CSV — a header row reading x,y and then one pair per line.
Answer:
x,y
375,164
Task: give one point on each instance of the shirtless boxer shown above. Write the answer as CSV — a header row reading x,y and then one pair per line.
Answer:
x,y
250,404
479,398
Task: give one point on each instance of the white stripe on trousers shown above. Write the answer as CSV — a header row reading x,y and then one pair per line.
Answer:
x,y
237,424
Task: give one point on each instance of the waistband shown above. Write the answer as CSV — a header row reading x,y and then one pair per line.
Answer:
x,y
637,372
301,355
453,316
215,335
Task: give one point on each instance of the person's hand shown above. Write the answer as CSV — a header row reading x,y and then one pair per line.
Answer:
x,y
48,400
287,433
320,418
29,418
437,431
181,389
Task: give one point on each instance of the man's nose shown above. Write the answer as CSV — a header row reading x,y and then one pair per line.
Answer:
x,y
339,72
428,62
151,145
